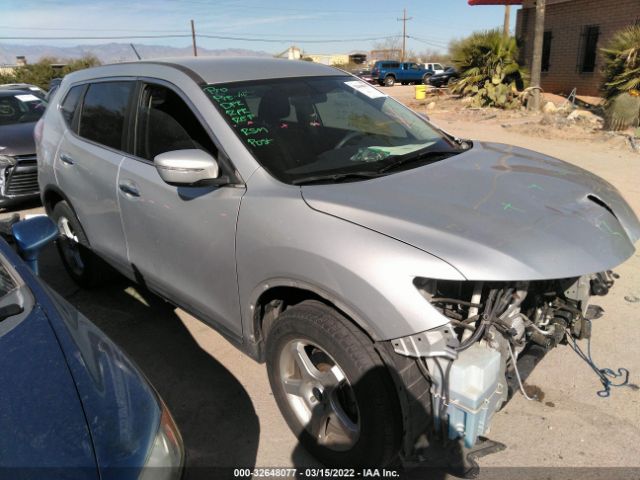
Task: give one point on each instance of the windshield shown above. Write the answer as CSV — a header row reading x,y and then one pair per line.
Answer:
x,y
20,107
330,126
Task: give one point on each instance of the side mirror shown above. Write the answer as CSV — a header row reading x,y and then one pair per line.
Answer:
x,y
189,167
31,236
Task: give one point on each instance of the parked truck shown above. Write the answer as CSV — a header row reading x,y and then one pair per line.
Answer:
x,y
388,72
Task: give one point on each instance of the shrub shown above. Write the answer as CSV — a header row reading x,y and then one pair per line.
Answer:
x,y
41,73
489,71
622,78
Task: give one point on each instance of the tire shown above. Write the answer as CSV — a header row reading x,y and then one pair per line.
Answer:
x,y
336,353
82,265
389,81
425,79
451,81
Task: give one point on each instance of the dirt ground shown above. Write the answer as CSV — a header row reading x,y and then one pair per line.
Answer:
x,y
222,402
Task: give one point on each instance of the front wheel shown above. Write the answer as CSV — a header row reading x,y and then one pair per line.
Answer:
x,y
389,81
332,388
425,79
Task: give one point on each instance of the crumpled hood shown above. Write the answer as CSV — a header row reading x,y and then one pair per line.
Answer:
x,y
494,212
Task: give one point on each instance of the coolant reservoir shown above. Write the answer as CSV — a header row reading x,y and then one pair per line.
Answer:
x,y
477,388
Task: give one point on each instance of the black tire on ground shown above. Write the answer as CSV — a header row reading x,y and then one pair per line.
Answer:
x,y
404,83
389,80
451,80
367,393
82,265
425,79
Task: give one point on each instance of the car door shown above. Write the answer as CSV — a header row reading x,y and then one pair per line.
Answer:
x,y
87,162
181,240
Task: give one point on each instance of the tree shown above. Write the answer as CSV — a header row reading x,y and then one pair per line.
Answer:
x,y
392,47
489,71
42,72
433,56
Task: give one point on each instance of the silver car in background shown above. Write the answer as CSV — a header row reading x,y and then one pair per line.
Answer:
x,y
388,273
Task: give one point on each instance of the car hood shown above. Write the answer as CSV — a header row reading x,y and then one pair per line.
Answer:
x,y
494,212
17,139
41,416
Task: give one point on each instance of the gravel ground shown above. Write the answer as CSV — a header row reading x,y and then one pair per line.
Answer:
x,y
222,402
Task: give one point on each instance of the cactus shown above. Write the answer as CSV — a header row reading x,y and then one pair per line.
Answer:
x,y
489,72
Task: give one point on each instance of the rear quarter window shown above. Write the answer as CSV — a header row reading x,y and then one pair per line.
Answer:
x,y
70,104
103,112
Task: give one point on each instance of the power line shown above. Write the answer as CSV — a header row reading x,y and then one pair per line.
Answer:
x,y
75,29
430,43
293,35
203,35
120,37
291,40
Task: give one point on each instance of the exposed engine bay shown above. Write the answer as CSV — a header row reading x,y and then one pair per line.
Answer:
x,y
492,324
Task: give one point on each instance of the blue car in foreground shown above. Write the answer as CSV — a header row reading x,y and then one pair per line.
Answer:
x,y
72,405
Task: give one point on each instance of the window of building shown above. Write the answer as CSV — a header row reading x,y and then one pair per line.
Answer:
x,y
589,49
103,112
546,51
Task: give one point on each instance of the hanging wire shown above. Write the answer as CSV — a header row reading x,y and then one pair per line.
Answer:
x,y
606,375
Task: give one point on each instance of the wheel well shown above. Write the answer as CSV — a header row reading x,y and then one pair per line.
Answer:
x,y
389,75
276,300
51,198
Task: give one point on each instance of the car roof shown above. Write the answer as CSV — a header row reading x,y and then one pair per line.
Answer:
x,y
5,92
218,69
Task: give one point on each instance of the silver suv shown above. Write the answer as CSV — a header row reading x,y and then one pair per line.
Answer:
x,y
388,273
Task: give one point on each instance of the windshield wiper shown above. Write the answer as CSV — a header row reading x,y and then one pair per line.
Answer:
x,y
416,156
335,177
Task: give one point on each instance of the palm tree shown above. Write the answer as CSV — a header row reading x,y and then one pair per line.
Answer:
x,y
622,79
622,63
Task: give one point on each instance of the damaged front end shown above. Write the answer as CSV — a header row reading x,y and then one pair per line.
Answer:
x,y
471,363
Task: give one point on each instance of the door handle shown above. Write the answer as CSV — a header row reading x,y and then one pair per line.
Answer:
x,y
129,188
66,159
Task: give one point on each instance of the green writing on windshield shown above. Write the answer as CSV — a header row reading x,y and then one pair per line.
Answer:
x,y
232,104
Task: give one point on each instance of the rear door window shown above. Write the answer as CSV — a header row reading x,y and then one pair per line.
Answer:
x,y
166,123
104,112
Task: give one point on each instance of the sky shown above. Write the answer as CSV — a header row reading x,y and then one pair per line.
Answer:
x,y
326,26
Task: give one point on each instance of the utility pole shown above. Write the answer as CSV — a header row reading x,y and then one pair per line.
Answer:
x,y
404,20
536,64
507,19
193,39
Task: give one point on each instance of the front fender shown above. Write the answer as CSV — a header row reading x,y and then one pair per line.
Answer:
x,y
369,276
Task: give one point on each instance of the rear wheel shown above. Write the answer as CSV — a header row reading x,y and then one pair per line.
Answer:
x,y
389,80
332,387
82,265
425,79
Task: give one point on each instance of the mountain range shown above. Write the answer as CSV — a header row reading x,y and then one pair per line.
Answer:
x,y
113,52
